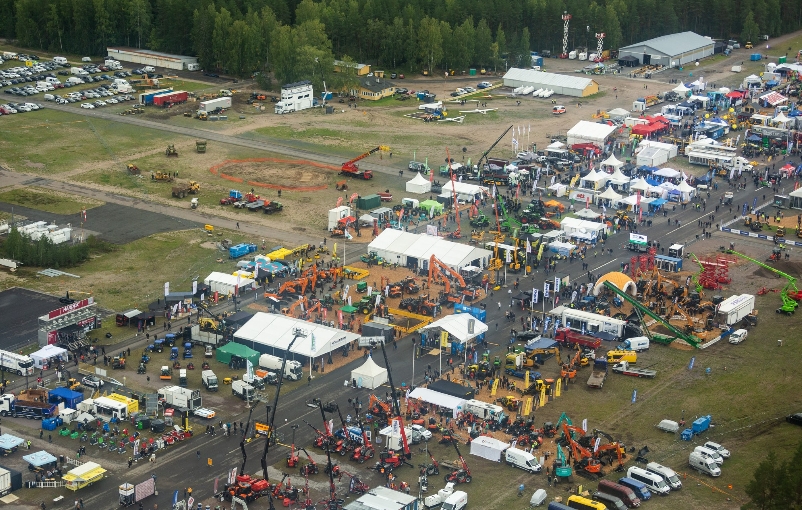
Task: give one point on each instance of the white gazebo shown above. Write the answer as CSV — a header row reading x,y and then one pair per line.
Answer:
x,y
781,119
588,214
681,89
669,173
461,326
369,375
686,189
610,195
619,180
612,162
419,185
639,184
595,180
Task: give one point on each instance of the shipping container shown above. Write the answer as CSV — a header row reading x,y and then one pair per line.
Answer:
x,y
179,96
10,480
147,96
213,104
368,202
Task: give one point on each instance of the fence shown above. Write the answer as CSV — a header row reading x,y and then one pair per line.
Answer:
x,y
50,483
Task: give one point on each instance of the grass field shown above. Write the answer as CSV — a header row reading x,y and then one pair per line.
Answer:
x,y
47,200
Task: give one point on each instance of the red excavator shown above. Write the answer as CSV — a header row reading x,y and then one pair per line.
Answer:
x,y
351,169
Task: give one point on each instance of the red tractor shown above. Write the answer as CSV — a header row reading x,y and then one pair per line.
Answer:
x,y
388,461
311,468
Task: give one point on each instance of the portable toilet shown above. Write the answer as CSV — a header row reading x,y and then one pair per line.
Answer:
x,y
782,60
471,72
754,57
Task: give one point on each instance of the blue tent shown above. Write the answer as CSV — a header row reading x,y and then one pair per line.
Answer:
x,y
70,398
657,202
653,182
753,138
40,459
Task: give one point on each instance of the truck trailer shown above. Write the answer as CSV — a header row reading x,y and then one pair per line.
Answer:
x,y
180,398
168,98
735,308
10,406
213,104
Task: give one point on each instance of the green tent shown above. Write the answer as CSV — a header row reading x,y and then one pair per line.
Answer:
x,y
225,353
433,207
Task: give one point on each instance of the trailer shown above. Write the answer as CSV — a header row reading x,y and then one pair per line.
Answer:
x,y
131,494
180,398
168,98
623,368
599,374
569,336
9,405
213,104
295,97
83,476
735,308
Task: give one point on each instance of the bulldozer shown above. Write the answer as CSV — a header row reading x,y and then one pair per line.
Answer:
x,y
200,146
133,169
189,188
161,176
171,151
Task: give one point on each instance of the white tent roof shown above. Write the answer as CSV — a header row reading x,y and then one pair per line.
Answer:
x,y
588,213
457,326
371,374
681,88
618,112
781,118
639,184
366,218
609,194
422,246
488,448
667,172
464,188
591,176
618,177
591,131
49,351
796,193
419,184
439,399
571,225
612,161
226,279
276,331
630,200
684,187
556,145
668,185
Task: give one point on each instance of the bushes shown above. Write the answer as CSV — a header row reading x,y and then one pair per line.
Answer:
x,y
43,253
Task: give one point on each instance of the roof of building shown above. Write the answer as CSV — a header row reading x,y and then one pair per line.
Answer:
x,y
151,53
548,79
343,63
374,84
674,44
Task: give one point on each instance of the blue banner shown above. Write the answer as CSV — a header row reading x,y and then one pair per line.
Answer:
x,y
743,213
754,203
634,396
175,498
690,365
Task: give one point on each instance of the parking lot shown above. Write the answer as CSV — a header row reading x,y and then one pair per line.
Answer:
x,y
20,310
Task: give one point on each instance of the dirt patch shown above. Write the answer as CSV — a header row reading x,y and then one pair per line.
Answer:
x,y
38,166
273,173
209,245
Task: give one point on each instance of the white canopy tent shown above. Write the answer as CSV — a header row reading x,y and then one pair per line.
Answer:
x,y
456,404
488,448
458,326
369,375
43,356
667,172
618,113
366,220
612,162
686,189
588,214
639,184
419,184
595,180
590,132
582,229
630,200
609,194
555,145
408,249
269,333
619,180
466,192
681,89
559,189
224,283
781,119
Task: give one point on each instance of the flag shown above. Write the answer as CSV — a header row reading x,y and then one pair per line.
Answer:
x,y
334,250
249,368
530,129
313,347
754,203
508,256
556,284
545,289
514,141
534,295
528,246
83,213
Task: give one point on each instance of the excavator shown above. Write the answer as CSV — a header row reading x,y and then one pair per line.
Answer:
x,y
583,458
351,169
67,300
611,448
562,469
396,408
297,286
290,311
438,268
483,158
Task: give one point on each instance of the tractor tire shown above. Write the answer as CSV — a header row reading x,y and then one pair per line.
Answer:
x,y
468,479
410,308
361,460
446,478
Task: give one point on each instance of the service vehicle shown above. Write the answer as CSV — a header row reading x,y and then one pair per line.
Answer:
x,y
668,474
703,464
624,368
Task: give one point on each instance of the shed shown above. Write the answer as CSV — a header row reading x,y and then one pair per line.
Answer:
x,y
231,350
670,50
419,185
368,202
561,84
590,132
488,448
369,375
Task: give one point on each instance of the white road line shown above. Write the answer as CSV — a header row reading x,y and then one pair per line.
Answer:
x,y
605,264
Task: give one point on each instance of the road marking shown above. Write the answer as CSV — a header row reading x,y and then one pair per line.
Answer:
x,y
605,264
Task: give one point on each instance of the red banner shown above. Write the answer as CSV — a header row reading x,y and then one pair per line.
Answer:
x,y
52,337
58,312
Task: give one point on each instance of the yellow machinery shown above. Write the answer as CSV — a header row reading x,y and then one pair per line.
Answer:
x,y
161,176
208,324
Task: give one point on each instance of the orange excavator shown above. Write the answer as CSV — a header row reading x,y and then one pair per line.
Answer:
x,y
583,458
438,268
297,286
290,311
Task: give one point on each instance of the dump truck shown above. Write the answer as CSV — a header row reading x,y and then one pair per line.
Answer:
x,y
133,169
625,369
171,151
599,374
571,337
10,406
189,188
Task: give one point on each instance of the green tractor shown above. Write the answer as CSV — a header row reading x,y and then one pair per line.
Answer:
x,y
372,258
368,303
480,221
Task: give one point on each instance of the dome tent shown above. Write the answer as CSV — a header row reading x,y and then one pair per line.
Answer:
x,y
369,375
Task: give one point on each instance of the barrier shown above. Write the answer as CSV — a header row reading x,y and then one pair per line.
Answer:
x,y
746,233
355,273
407,326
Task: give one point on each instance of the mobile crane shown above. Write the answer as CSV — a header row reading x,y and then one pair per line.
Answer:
x,y
457,233
461,475
789,294
396,403
351,169
483,158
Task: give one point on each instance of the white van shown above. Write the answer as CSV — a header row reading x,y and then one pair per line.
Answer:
x,y
703,464
522,460
653,482
149,69
53,81
60,60
718,449
637,344
738,336
457,501
710,454
193,67
668,475
75,80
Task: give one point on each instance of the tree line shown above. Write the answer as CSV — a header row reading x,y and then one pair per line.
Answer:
x,y
299,39
776,485
43,253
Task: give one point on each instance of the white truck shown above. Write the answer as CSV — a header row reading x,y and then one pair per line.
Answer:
x,y
122,86
254,380
735,308
209,380
456,501
242,390
295,97
436,500
292,370
213,104
180,398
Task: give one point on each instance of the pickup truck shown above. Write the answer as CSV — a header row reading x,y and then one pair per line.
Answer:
x,y
599,374
624,369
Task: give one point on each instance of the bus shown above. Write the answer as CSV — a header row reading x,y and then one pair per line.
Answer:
x,y
16,363
580,503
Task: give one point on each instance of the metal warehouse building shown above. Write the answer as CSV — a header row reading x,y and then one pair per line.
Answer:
x,y
670,50
154,58
561,84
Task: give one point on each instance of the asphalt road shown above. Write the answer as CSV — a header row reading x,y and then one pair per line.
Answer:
x,y
20,310
180,467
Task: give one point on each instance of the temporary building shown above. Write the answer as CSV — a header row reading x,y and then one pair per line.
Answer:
x,y
43,356
618,113
609,194
681,89
773,98
231,350
670,50
561,84
796,199
590,132
619,180
612,162
639,184
462,327
488,448
686,189
465,192
419,185
227,284
558,189
272,334
582,229
595,180
561,248
432,207
588,214
456,404
667,172
415,250
83,475
369,375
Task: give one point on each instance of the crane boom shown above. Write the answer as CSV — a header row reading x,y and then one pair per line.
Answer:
x,y
396,403
789,304
485,153
350,165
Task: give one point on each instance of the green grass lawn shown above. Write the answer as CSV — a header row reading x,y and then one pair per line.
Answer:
x,y
47,200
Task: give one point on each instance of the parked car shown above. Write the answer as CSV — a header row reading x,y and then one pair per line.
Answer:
x,y
558,110
89,106
795,418
92,381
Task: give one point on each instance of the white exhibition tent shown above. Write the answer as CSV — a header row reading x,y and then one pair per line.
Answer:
x,y
438,399
458,326
618,113
686,189
796,198
681,89
667,172
419,184
555,145
582,229
366,220
269,333
465,191
619,180
613,162
405,247
590,132
630,200
369,375
488,448
45,354
559,189
224,283
597,179
639,185
609,194
588,214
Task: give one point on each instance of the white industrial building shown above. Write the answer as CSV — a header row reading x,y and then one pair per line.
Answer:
x,y
590,132
563,84
670,50
270,333
154,58
415,250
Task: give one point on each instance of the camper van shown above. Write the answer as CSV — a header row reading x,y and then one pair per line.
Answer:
x,y
522,460
668,475
60,60
703,464
653,482
710,454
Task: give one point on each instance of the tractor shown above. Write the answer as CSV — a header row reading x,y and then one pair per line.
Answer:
x,y
171,151
479,221
372,258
